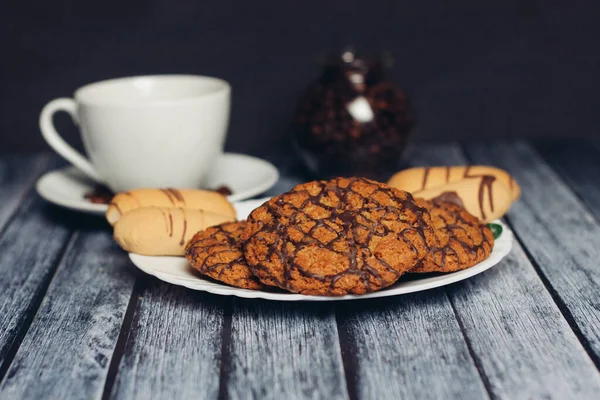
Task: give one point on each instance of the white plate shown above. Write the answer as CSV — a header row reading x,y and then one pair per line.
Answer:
x,y
246,176
177,271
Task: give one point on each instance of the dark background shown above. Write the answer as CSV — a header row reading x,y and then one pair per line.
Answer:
x,y
472,68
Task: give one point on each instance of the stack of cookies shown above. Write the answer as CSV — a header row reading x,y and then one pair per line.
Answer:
x,y
344,236
159,222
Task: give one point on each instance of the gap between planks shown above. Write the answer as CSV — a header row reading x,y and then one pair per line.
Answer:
x,y
562,306
174,346
77,325
225,346
119,350
562,178
576,163
564,310
539,320
344,338
476,360
399,378
29,169
35,305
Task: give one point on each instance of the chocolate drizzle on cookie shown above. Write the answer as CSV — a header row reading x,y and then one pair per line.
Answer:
x,y
285,234
486,182
99,195
425,176
449,197
182,241
217,253
464,232
173,195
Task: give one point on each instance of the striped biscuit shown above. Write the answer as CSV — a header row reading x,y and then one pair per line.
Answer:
x,y
156,231
484,197
170,198
415,179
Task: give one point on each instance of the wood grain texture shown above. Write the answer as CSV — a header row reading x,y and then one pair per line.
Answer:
x,y
559,233
523,346
67,350
496,335
174,346
17,175
284,351
578,163
30,248
408,347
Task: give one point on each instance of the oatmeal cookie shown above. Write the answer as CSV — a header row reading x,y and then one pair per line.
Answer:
x,y
463,239
217,253
347,235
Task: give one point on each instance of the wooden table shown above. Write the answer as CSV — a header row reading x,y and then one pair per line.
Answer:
x,y
77,320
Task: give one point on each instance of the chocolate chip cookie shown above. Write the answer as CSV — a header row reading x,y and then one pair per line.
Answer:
x,y
347,235
217,253
463,239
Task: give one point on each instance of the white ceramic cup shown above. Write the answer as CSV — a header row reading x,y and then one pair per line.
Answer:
x,y
147,131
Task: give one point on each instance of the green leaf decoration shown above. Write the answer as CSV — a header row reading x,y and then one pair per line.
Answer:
x,y
496,230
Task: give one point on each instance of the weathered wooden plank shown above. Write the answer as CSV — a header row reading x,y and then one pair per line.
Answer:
x,y
196,368
280,351
17,176
174,345
578,163
283,350
408,347
559,233
523,346
67,350
30,248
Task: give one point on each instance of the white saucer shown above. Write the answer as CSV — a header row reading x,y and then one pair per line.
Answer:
x,y
177,270
245,175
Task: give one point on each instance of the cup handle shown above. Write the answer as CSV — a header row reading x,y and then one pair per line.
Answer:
x,y
57,143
